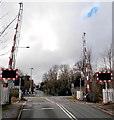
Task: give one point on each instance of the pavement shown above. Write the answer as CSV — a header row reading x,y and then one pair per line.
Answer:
x,y
13,111
108,108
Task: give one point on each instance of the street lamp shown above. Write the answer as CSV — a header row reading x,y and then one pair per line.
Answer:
x,y
15,56
31,80
24,47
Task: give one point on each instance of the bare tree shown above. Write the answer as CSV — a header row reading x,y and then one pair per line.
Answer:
x,y
45,77
109,57
64,72
53,73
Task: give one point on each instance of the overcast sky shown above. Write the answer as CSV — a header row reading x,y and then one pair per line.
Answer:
x,y
53,30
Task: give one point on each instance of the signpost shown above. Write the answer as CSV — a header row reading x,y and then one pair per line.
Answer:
x,y
5,76
8,74
105,76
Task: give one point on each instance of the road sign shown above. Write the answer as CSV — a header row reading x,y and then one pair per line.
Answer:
x,y
8,74
104,76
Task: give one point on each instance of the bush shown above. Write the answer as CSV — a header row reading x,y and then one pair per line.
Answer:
x,y
15,93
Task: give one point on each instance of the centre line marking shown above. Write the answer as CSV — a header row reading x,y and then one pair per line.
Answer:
x,y
64,111
68,111
70,115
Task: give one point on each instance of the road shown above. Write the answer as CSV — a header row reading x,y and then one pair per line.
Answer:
x,y
59,107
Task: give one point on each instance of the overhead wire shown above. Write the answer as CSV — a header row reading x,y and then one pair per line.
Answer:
x,y
1,33
4,53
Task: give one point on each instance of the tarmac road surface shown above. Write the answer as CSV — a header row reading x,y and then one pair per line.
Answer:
x,y
59,107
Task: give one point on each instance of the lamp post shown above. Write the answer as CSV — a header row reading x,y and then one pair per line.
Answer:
x,y
31,81
24,47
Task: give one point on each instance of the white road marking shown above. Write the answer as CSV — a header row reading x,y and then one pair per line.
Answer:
x,y
47,108
69,114
27,109
17,102
24,103
68,111
49,100
64,111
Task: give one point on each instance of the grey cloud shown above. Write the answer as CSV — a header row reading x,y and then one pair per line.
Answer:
x,y
67,24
